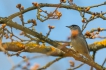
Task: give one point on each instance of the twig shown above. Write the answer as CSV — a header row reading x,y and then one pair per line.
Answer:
x,y
21,18
104,62
82,15
57,7
104,3
27,35
62,41
48,32
14,35
77,66
96,29
2,47
19,64
11,61
44,5
94,52
48,14
4,50
50,63
87,21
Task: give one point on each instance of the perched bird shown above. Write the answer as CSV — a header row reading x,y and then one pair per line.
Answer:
x,y
78,41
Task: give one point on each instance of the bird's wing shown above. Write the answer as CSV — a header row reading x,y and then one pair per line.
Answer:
x,y
84,39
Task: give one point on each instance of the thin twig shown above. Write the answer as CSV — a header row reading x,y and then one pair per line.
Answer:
x,y
94,53
50,63
31,58
77,67
21,18
87,21
1,45
48,32
11,61
14,35
104,62
104,3
96,29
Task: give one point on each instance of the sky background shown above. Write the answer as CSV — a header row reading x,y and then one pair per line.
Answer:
x,y
69,17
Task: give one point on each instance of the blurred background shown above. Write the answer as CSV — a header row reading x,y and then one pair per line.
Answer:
x,y
69,17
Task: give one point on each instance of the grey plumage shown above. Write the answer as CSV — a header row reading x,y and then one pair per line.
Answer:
x,y
79,43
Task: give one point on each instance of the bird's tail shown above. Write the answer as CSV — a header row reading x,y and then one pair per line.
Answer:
x,y
89,57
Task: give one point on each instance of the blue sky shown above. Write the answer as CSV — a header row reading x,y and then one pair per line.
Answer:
x,y
8,7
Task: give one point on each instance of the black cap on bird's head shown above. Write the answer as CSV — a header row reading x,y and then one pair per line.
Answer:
x,y
73,27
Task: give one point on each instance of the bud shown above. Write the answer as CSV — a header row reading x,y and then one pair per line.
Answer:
x,y
63,1
72,63
97,32
87,9
93,37
34,22
87,33
22,33
93,16
51,27
40,10
20,16
35,4
11,35
83,20
3,26
7,37
18,6
24,57
22,8
99,29
29,21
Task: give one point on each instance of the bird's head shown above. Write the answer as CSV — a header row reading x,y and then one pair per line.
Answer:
x,y
75,30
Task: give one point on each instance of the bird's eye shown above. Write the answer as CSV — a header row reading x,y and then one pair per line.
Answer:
x,y
71,27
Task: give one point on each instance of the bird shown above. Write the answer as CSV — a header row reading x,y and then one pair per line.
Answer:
x,y
78,41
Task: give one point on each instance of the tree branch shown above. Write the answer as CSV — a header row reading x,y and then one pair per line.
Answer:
x,y
31,48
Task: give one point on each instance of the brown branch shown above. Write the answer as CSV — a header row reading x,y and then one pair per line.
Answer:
x,y
92,47
50,5
33,33
31,48
97,45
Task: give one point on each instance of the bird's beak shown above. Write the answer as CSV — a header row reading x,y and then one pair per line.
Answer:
x,y
68,26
